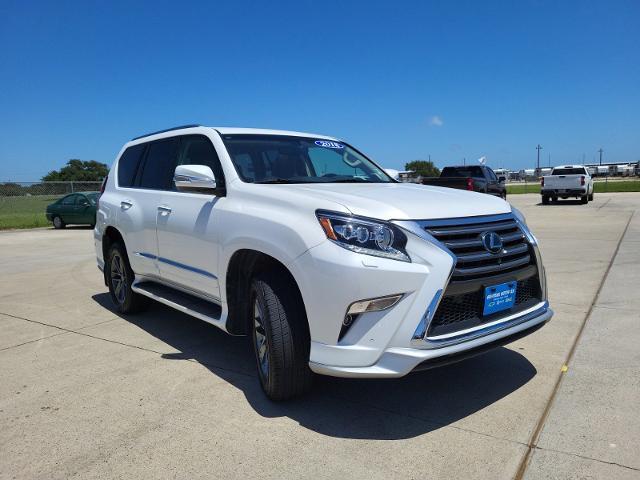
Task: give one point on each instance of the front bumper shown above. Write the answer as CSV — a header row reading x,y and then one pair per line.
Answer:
x,y
391,343
397,362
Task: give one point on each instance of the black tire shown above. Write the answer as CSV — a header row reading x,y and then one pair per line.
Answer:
x,y
545,200
554,199
591,197
119,278
584,199
503,196
58,223
280,336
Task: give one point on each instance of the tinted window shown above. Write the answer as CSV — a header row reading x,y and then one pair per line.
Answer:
x,y
568,171
198,150
70,200
159,164
491,175
128,165
475,172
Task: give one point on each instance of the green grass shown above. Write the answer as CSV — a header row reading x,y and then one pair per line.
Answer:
x,y
599,187
24,212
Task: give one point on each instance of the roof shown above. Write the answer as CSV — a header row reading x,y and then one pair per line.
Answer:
x,y
233,130
569,166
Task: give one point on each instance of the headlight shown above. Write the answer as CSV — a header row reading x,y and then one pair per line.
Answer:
x,y
363,235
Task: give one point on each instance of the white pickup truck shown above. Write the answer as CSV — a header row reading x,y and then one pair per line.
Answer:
x,y
567,181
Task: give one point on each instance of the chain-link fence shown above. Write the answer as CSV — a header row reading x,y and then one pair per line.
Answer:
x,y
23,204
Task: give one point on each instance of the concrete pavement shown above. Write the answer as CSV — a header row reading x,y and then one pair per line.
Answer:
x,y
86,393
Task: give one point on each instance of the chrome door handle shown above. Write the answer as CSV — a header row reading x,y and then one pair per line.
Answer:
x,y
125,205
164,209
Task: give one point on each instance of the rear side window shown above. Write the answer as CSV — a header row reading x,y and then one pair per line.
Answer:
x,y
70,200
159,165
128,165
198,150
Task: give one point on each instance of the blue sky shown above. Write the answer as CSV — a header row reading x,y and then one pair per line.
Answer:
x,y
400,80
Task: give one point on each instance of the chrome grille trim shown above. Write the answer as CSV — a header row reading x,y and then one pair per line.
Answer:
x,y
472,259
420,229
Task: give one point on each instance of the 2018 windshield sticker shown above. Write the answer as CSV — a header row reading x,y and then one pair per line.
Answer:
x,y
328,144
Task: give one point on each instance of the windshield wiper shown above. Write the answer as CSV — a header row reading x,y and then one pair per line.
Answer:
x,y
275,180
351,180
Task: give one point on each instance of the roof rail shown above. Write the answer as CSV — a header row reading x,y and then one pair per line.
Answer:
x,y
166,130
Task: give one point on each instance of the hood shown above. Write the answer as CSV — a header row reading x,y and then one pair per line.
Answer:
x,y
402,201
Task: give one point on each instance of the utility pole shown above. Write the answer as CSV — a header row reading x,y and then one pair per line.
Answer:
x,y
600,152
538,167
464,161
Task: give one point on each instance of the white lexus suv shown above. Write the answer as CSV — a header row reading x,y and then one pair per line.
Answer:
x,y
306,245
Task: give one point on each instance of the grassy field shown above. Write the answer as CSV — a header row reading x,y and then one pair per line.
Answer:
x,y
599,187
24,212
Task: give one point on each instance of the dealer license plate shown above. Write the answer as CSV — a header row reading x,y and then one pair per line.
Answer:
x,y
499,297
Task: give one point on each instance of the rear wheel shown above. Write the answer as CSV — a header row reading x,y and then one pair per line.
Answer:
x,y
58,223
280,337
503,195
591,197
584,199
120,277
545,199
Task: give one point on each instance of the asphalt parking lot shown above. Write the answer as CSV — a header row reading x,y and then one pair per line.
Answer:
x,y
85,393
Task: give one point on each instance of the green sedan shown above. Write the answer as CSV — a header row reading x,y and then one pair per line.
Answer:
x,y
76,208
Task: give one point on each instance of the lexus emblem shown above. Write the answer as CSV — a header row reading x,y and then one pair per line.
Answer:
x,y
491,242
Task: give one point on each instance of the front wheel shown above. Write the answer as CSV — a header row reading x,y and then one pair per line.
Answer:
x,y
584,199
280,337
591,197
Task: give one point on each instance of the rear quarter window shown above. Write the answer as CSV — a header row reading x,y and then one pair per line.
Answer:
x,y
128,165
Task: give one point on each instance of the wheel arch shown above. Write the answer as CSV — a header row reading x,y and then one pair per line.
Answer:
x,y
243,265
110,236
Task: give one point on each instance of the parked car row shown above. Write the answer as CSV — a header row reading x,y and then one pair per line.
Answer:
x,y
311,249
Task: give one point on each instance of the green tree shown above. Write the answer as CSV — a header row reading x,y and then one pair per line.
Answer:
x,y
426,168
78,170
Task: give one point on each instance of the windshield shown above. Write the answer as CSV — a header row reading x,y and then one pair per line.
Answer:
x,y
289,159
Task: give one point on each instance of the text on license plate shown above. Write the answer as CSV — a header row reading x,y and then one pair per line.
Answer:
x,y
499,297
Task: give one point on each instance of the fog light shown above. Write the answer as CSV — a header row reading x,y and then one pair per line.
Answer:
x,y
373,304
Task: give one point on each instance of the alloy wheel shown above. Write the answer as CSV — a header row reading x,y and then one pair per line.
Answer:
x,y
118,278
260,340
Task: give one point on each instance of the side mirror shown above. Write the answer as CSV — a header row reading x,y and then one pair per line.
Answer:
x,y
502,179
194,178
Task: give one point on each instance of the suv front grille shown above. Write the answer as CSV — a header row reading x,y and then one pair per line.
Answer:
x,y
473,260
476,268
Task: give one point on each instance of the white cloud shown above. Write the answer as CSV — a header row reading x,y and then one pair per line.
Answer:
x,y
436,121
